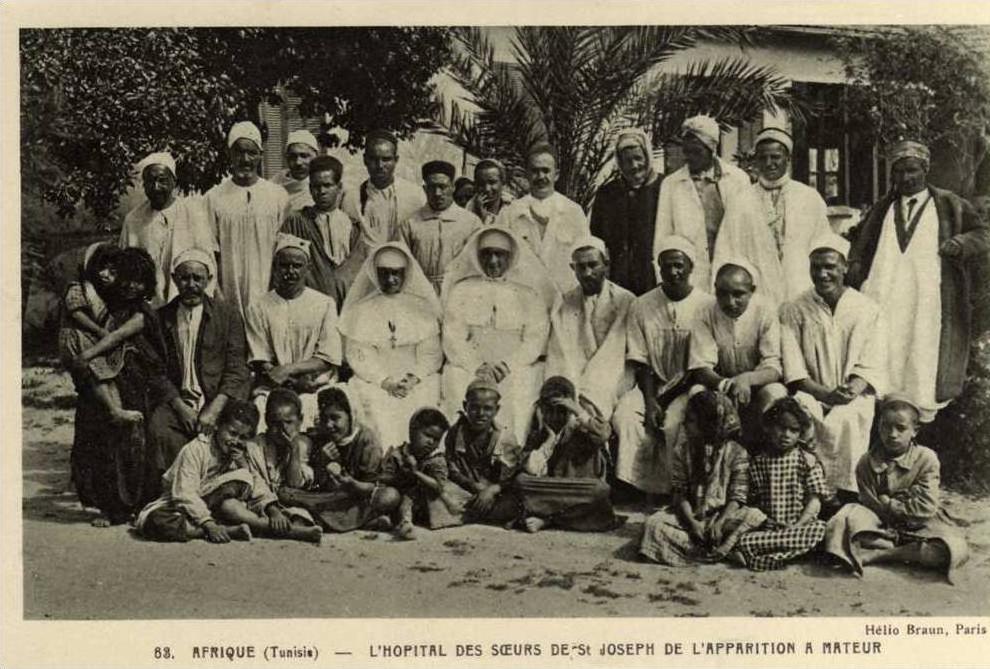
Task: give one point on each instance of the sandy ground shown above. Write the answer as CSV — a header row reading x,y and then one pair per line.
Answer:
x,y
74,571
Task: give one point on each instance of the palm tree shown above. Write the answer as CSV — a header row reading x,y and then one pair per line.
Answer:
x,y
575,86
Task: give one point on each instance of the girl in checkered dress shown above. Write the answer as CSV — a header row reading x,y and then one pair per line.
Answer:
x,y
787,483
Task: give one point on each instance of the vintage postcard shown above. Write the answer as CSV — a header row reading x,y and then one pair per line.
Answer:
x,y
495,334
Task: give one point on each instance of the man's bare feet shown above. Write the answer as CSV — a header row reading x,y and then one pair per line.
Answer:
x,y
125,417
405,531
379,524
534,524
240,532
102,521
312,534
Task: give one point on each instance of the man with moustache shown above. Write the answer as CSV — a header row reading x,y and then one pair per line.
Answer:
x,y
383,200
292,331
546,220
246,212
832,345
624,213
648,418
490,193
165,225
300,148
588,330
205,359
914,256
331,233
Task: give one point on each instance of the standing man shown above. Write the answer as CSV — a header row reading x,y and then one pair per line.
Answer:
x,y
490,193
546,220
383,201
914,256
165,225
300,148
588,330
438,230
794,212
331,233
834,354
205,359
624,213
246,212
711,203
648,418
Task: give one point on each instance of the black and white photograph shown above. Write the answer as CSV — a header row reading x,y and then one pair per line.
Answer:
x,y
416,320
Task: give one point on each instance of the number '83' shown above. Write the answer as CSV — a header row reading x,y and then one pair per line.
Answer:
x,y
163,653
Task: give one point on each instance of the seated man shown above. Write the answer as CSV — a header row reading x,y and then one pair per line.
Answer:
x,y
588,330
390,325
205,354
648,418
735,346
292,331
496,319
898,517
832,344
563,480
484,457
211,493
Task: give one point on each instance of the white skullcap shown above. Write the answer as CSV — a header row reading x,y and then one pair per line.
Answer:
x,y
833,242
590,242
244,130
199,255
287,241
495,239
678,243
162,158
775,135
705,128
754,273
391,258
303,137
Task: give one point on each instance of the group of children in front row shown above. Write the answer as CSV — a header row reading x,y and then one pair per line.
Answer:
x,y
761,510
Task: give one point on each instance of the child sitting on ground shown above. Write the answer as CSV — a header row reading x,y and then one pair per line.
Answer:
x,y
898,517
418,471
484,457
345,460
91,335
787,483
210,492
710,485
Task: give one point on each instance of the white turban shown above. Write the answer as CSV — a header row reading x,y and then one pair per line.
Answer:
x,y
705,128
494,239
590,242
831,241
754,273
162,158
244,130
303,137
775,135
678,243
909,149
287,241
391,258
632,137
206,258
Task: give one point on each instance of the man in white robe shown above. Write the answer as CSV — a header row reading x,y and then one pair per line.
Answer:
x,y
383,200
165,225
648,418
390,324
545,220
833,349
496,320
794,212
246,213
300,148
588,330
711,203
292,332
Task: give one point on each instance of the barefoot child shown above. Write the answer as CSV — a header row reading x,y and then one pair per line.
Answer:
x,y
418,470
898,518
483,456
108,309
710,484
345,458
211,494
787,483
